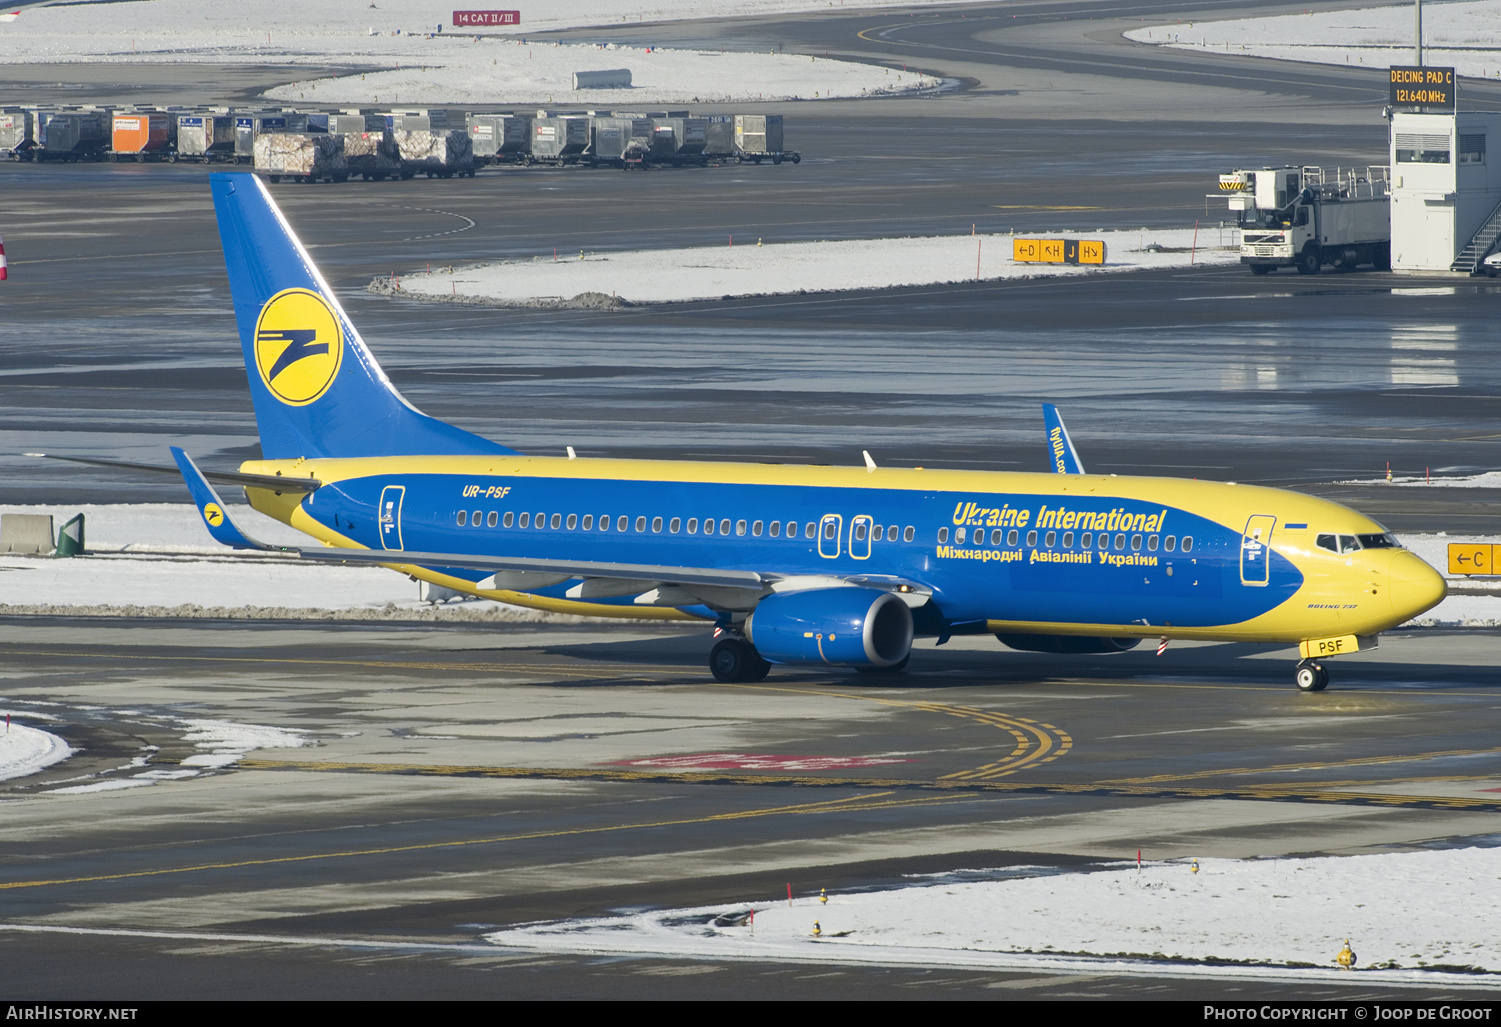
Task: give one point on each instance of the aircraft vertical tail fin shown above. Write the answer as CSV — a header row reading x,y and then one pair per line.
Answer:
x,y
316,388
1061,452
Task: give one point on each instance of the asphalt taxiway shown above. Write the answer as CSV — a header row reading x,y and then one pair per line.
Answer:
x,y
466,777
460,779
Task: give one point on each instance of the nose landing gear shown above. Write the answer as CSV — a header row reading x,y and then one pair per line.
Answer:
x,y
1311,677
734,659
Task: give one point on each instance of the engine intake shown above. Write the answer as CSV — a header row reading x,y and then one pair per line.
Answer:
x,y
853,627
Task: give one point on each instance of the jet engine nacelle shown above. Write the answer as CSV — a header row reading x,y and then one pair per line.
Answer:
x,y
1071,644
855,627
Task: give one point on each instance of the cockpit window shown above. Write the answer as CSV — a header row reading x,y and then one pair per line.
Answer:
x,y
1379,542
1348,543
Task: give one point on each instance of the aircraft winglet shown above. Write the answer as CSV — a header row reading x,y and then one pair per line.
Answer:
x,y
215,514
1061,452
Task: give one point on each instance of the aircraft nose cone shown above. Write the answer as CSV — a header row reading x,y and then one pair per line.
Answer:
x,y
1415,586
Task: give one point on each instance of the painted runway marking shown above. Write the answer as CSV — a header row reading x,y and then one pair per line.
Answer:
x,y
755,761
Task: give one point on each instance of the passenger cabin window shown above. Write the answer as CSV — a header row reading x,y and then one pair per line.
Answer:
x,y
656,524
604,522
641,523
860,530
693,525
475,518
757,528
724,526
1012,537
1031,538
1136,543
622,522
1068,540
1188,543
463,517
557,521
588,522
909,534
1087,539
526,520
1151,543
1051,538
541,520
675,525
776,529
573,521
740,527
492,518
510,518
708,525
810,530
943,535
1120,542
830,527
1170,543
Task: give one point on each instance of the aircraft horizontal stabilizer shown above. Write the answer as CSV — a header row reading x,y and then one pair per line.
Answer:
x,y
253,481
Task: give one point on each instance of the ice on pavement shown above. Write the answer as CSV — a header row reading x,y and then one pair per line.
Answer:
x,y
748,266
1458,35
1403,912
395,55
25,750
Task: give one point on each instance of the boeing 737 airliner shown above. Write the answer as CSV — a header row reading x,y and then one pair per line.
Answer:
x,y
791,565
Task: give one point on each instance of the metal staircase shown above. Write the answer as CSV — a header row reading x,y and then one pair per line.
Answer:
x,y
1479,245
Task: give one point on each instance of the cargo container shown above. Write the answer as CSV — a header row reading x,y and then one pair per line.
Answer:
x,y
759,136
248,127
498,138
559,140
301,156
15,135
350,121
719,135
620,142
70,135
205,137
371,155
143,135
426,119
438,153
679,140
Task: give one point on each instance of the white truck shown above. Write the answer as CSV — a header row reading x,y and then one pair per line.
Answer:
x,y
1308,217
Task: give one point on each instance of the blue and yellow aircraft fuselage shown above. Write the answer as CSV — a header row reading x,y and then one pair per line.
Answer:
x,y
793,564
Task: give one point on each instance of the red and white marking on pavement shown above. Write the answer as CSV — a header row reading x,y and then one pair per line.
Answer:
x,y
755,761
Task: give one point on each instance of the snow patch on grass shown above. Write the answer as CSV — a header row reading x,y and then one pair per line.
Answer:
x,y
1403,912
747,267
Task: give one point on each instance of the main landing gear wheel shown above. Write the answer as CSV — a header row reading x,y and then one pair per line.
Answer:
x,y
1311,677
732,660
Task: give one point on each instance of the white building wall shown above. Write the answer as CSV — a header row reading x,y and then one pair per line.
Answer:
x,y
1441,192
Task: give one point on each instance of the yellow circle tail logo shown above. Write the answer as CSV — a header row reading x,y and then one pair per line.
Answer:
x,y
298,346
213,514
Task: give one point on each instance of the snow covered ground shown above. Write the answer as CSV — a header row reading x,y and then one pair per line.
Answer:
x,y
156,559
1462,35
1402,912
25,750
396,56
745,267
